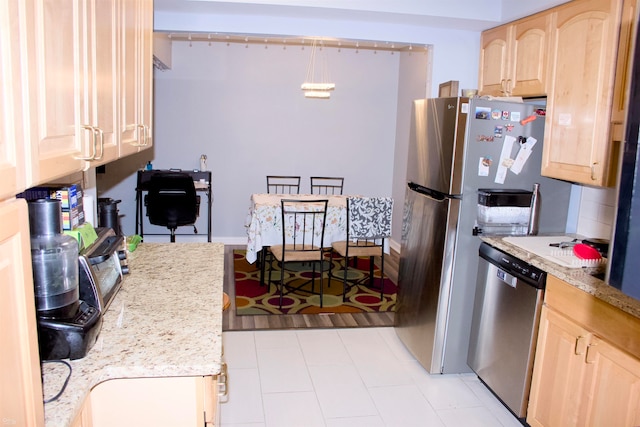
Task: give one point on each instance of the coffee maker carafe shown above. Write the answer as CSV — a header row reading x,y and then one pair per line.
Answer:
x,y
67,327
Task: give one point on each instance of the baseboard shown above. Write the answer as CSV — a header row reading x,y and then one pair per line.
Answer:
x,y
243,241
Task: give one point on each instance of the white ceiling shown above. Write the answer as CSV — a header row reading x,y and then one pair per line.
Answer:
x,y
373,24
473,15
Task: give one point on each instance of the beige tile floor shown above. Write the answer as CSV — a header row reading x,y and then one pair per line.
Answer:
x,y
346,377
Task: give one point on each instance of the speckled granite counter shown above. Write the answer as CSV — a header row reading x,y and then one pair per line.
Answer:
x,y
165,321
577,277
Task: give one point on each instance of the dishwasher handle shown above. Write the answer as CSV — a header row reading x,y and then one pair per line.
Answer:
x,y
507,278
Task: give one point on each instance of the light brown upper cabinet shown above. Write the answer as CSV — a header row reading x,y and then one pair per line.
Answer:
x,y
81,72
101,68
72,67
12,178
579,145
578,55
58,144
136,76
514,58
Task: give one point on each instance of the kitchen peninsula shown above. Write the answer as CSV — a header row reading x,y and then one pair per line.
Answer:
x,y
164,326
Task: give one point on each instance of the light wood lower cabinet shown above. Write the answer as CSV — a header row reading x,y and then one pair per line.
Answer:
x,y
587,366
21,386
12,140
158,402
84,417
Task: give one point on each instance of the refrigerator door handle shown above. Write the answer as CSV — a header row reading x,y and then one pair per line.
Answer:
x,y
436,195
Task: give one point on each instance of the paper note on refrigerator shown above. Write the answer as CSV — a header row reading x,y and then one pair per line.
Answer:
x,y
505,160
523,155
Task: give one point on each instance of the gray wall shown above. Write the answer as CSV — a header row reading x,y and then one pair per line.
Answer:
x,y
244,109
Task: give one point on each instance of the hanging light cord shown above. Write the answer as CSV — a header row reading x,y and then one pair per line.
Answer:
x,y
311,68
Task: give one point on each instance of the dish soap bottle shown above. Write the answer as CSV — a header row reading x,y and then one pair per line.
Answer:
x,y
149,166
534,216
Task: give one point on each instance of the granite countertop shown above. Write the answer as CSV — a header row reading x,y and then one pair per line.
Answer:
x,y
578,277
166,320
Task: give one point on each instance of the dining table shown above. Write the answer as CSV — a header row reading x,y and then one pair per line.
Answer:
x,y
264,220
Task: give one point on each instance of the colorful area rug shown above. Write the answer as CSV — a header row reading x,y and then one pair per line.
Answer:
x,y
252,299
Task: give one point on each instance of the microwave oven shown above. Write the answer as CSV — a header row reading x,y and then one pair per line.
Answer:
x,y
101,269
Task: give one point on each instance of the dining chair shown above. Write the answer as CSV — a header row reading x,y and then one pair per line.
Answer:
x,y
326,185
303,225
283,184
368,226
172,201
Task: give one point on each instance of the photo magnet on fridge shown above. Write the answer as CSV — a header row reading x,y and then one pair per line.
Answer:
x,y
483,113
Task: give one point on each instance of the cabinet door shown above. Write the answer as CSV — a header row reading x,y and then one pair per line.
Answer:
x,y
100,68
559,372
21,391
529,56
624,62
56,81
84,417
12,174
136,53
579,103
494,61
613,395
158,402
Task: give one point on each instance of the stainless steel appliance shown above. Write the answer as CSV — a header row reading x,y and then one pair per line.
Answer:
x,y
102,266
504,329
459,145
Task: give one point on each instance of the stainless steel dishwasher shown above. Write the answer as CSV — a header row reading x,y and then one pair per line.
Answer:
x,y
506,316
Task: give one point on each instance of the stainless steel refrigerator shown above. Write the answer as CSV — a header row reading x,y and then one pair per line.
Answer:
x,y
459,145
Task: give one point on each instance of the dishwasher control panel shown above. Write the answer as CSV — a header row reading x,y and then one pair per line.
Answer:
x,y
514,266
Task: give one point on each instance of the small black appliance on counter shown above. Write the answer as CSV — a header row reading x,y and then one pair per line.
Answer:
x,y
108,215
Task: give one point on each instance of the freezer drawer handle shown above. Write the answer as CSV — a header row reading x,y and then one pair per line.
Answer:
x,y
507,278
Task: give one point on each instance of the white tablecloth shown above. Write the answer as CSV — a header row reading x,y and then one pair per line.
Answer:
x,y
264,220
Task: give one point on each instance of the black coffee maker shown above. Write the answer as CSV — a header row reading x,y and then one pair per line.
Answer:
x,y
108,215
67,326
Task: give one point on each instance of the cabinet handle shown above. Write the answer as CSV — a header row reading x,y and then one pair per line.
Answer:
x,y
101,137
147,131
593,171
587,358
581,345
503,85
144,135
138,143
508,87
93,143
223,384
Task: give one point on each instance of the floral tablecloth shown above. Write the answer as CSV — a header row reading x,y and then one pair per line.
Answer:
x,y
264,220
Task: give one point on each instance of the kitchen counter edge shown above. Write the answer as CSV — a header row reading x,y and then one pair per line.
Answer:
x,y
166,321
577,277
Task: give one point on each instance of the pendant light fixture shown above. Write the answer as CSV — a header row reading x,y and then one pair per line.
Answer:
x,y
317,83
